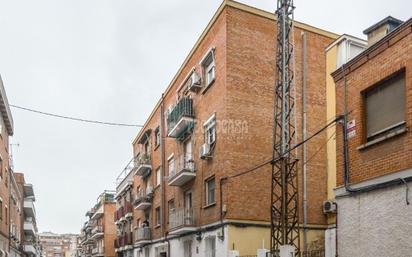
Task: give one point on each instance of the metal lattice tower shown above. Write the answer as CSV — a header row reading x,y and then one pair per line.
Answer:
x,y
284,219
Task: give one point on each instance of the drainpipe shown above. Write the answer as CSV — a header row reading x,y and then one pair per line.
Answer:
x,y
9,209
304,149
162,166
222,180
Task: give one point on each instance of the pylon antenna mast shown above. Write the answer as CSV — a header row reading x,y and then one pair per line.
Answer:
x,y
284,197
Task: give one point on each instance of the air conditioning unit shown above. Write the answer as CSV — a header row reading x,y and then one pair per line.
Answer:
x,y
204,151
329,207
194,82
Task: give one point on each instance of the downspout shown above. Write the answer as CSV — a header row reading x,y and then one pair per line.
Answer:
x,y
9,209
304,149
222,180
162,166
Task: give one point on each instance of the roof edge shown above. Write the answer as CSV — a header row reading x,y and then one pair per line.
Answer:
x,y
219,11
373,50
5,109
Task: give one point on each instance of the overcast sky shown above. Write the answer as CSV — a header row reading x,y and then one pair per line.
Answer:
x,y
111,60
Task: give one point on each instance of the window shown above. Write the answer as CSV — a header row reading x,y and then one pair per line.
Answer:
x,y
158,176
210,191
211,247
171,166
208,66
157,136
187,248
385,107
157,216
210,130
171,206
1,167
5,214
1,210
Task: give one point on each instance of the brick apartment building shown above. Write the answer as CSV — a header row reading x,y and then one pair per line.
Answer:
x,y
15,217
372,195
213,121
99,232
29,231
55,245
6,130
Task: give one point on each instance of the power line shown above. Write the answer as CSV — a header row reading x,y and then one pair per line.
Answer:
x,y
74,118
329,124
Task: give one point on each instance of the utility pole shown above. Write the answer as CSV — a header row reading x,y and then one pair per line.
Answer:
x,y
284,195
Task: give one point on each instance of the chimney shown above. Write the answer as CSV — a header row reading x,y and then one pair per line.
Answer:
x,y
381,29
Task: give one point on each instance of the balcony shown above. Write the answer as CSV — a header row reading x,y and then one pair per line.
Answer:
x,y
124,241
98,251
143,236
180,120
29,208
29,227
182,221
143,200
183,173
29,249
128,210
97,232
143,165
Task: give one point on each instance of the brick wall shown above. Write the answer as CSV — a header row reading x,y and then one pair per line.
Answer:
x,y
390,155
243,92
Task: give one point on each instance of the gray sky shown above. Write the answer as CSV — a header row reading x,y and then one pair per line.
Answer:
x,y
111,60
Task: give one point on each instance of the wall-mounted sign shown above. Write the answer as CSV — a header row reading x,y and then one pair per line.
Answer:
x,y
351,128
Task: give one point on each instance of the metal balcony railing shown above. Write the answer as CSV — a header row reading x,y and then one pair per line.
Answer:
x,y
142,159
97,229
143,164
143,234
128,208
144,196
181,218
184,108
182,165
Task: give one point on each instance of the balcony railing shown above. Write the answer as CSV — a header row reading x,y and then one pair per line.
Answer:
x,y
97,229
182,220
143,165
143,234
97,251
124,240
183,172
180,119
143,200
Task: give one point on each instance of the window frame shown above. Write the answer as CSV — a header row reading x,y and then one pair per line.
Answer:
x,y
208,201
157,217
157,137
209,128
171,164
208,66
158,176
388,81
210,246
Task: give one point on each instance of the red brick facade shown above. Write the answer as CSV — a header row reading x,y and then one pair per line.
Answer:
x,y
386,57
241,98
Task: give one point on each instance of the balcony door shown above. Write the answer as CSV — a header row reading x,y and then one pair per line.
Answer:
x,y
188,157
188,215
